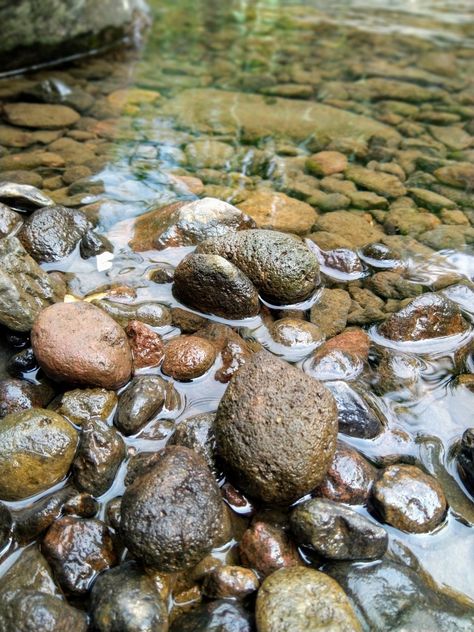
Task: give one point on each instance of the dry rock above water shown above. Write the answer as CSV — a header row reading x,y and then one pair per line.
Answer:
x,y
275,430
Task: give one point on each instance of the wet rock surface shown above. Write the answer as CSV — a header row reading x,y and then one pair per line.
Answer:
x,y
139,402
197,433
267,548
188,357
180,490
257,448
216,615
17,395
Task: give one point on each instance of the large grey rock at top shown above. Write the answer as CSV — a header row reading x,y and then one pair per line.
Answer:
x,y
45,31
209,110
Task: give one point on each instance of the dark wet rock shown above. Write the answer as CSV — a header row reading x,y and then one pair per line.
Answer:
x,y
357,416
389,596
150,313
380,255
93,244
78,550
6,522
278,211
326,163
187,224
300,599
40,116
146,345
188,357
125,599
273,461
23,197
187,321
255,118
388,284
143,398
349,478
81,504
330,312
230,582
337,532
408,499
52,233
83,404
281,266
32,610
17,395
356,229
25,289
197,433
36,449
35,519
426,317
78,343
466,458
172,514
342,260
211,284
30,571
9,220
99,454
234,350
266,548
113,513
292,332
140,464
216,616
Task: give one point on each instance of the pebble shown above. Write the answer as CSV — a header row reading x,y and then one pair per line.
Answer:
x,y
326,163
330,311
146,345
230,582
17,395
80,344
82,405
143,398
40,115
466,458
266,548
188,357
337,532
408,499
381,183
37,447
278,211
197,433
292,332
217,615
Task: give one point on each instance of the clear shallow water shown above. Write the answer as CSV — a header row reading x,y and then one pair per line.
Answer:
x,y
261,47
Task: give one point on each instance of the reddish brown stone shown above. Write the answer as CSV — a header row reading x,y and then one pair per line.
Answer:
x,y
146,345
355,342
230,582
266,549
188,357
234,350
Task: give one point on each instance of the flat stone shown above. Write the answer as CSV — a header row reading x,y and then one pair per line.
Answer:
x,y
40,115
278,211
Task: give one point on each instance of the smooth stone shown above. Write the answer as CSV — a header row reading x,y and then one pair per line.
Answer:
x,y
250,431
187,224
326,163
23,197
31,610
30,571
82,405
37,447
197,433
40,115
331,310
356,230
78,550
216,616
356,417
9,221
125,599
381,183
210,284
277,211
171,515
209,154
292,332
230,582
234,350
17,395
266,548
280,266
303,600
465,458
80,344
188,357
25,289
337,532
6,523
143,398
408,499
149,312
146,345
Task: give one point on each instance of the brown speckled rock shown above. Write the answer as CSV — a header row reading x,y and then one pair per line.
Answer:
x,y
302,600
146,345
266,548
409,499
188,357
275,430
80,344
233,582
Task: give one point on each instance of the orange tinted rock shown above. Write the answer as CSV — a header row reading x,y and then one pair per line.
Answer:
x,y
146,345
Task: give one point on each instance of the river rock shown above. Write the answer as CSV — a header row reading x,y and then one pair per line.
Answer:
x,y
356,417
82,405
126,599
466,458
197,433
143,398
349,478
337,532
381,183
78,550
357,230
6,522
266,548
275,430
278,211
281,266
230,582
219,616
32,610
99,455
389,596
254,118
40,115
188,357
25,289
426,317
409,499
187,224
30,571
23,197
78,343
234,350
326,163
301,599
294,332
36,449
9,220
171,515
17,395
331,310
52,233
33,520
146,345
148,312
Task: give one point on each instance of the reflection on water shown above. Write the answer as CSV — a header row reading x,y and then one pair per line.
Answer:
x,y
406,65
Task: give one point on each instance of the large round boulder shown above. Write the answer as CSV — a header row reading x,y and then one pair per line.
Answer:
x,y
281,266
80,344
171,515
36,450
276,430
